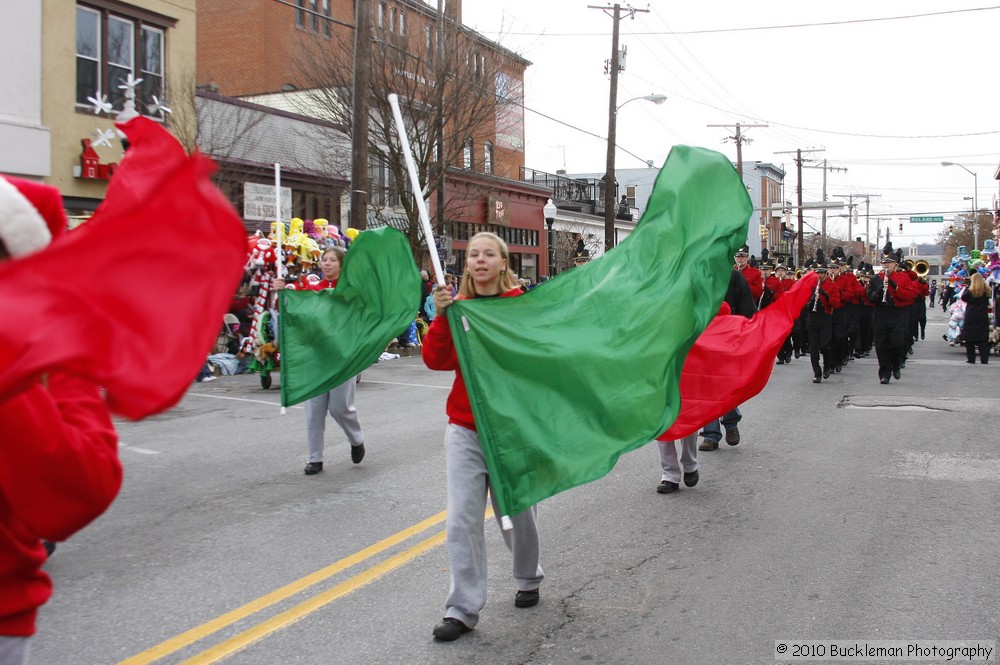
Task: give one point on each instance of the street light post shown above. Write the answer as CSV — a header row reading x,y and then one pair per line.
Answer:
x,y
609,174
975,202
550,211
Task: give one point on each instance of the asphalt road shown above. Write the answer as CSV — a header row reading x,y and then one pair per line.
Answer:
x,y
850,511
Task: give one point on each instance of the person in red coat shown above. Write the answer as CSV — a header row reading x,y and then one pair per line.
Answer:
x,y
819,323
339,401
59,465
890,292
751,274
487,275
784,283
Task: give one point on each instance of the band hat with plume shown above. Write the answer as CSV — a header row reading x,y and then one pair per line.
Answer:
x,y
31,214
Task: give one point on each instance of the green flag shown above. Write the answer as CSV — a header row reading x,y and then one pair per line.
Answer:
x,y
584,368
327,337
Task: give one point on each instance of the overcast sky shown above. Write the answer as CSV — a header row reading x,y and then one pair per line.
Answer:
x,y
888,100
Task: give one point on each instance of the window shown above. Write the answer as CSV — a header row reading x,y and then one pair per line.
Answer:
x,y
402,24
430,40
382,14
111,46
381,184
300,14
467,153
488,158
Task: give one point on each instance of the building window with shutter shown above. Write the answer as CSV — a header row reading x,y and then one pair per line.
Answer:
x,y
110,46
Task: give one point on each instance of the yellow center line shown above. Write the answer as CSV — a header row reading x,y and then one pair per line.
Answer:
x,y
200,632
291,615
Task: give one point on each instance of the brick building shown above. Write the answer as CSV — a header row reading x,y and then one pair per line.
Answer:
x,y
260,50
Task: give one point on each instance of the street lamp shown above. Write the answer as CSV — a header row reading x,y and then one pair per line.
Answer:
x,y
550,211
975,203
609,171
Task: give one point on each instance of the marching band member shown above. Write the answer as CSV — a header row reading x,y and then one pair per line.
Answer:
x,y
890,292
819,323
751,274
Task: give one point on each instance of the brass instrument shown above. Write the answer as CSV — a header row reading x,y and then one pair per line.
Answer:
x,y
921,267
798,274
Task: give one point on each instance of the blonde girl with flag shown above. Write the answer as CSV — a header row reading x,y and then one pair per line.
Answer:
x,y
487,275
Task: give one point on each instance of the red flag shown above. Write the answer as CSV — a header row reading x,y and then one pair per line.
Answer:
x,y
134,298
731,361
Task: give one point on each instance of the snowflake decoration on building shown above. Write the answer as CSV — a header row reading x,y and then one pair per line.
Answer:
x,y
103,137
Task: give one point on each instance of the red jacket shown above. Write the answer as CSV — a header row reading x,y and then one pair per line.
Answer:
x,y
59,470
754,281
829,295
850,288
439,353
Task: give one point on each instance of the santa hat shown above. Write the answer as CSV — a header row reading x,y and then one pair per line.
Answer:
x,y
31,215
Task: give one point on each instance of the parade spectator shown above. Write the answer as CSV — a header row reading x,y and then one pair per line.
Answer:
x,y
339,402
487,275
976,329
430,309
933,291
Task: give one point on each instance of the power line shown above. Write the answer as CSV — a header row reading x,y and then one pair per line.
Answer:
x,y
767,27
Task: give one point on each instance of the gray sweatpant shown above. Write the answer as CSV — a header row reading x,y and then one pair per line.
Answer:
x,y
468,482
13,650
339,403
688,460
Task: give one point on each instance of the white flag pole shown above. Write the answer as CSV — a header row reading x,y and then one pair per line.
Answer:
x,y
277,216
279,230
425,220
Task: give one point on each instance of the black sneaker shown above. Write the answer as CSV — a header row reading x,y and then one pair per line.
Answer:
x,y
896,374
357,453
691,479
312,468
450,630
526,598
666,487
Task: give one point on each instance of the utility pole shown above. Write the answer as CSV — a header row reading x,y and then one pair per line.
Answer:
x,y
800,257
826,168
740,140
359,121
878,233
609,172
850,216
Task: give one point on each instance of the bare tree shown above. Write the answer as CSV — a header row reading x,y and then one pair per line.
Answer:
x,y
962,232
471,81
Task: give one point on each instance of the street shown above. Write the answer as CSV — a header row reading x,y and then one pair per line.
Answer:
x,y
849,511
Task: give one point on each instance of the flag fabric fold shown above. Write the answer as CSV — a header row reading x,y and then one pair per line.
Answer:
x,y
585,367
327,337
133,299
732,360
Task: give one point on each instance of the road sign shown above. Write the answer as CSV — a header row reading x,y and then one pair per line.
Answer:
x,y
929,220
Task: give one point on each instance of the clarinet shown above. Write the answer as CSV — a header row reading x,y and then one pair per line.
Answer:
x,y
885,289
816,295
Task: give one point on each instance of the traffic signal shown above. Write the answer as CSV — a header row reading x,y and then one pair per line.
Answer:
x,y
900,227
